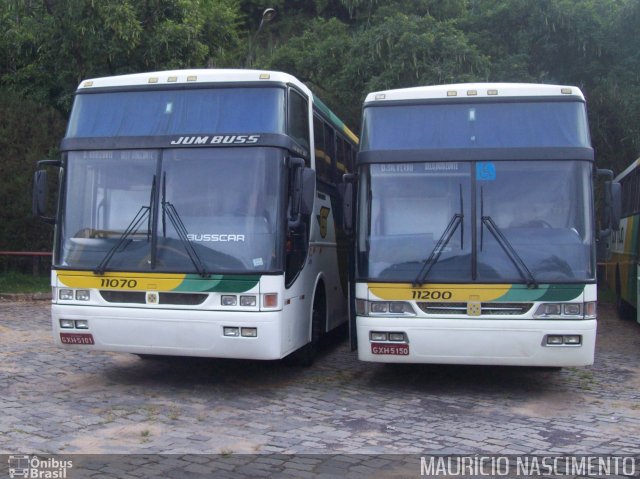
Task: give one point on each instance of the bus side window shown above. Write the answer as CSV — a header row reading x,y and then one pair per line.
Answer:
x,y
298,119
341,157
330,149
322,159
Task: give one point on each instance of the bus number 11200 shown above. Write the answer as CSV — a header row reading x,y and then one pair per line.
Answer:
x,y
431,294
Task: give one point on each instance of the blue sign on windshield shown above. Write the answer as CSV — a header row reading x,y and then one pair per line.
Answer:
x,y
485,171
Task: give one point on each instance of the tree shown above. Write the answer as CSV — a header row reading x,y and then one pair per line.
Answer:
x,y
54,45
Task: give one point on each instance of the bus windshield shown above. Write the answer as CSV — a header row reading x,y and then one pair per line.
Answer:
x,y
224,204
476,125
506,214
176,111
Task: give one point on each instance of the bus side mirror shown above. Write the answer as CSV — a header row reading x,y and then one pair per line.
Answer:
x,y
612,204
348,200
40,192
308,191
615,203
303,190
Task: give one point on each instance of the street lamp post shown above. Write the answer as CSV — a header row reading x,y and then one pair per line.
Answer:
x,y
267,16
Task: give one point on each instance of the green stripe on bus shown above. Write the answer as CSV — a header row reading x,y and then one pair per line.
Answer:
x,y
546,292
218,283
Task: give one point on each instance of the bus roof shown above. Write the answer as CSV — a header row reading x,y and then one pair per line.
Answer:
x,y
474,90
193,76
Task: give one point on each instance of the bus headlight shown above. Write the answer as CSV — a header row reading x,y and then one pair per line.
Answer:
x,y
65,294
385,308
82,295
247,300
228,300
566,311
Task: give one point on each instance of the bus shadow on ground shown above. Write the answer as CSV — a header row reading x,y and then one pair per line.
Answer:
x,y
179,371
469,379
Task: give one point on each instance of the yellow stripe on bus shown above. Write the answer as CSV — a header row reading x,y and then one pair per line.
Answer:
x,y
125,281
439,292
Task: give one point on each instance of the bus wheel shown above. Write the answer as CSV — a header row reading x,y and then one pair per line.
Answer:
x,y
306,354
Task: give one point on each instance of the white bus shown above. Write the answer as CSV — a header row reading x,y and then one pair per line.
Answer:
x,y
197,216
475,230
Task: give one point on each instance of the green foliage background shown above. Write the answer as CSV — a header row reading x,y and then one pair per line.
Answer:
x,y
342,49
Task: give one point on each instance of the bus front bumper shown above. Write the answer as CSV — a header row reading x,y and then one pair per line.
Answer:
x,y
479,341
173,332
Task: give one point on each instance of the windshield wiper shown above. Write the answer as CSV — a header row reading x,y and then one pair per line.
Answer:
x,y
443,241
133,227
170,211
142,214
504,243
511,252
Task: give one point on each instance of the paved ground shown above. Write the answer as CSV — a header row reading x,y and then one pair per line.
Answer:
x,y
65,402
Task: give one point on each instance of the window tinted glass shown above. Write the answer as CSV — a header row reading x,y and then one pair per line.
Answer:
x,y
299,118
165,112
478,125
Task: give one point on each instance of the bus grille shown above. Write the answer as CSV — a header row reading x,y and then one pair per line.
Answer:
x,y
488,309
139,297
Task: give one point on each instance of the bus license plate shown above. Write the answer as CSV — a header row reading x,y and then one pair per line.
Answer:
x,y
76,338
391,349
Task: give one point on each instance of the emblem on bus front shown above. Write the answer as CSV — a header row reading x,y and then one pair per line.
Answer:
x,y
153,297
474,308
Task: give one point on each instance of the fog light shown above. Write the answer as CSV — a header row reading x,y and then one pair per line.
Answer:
x,y
82,295
573,339
379,307
228,300
247,300
82,324
249,332
66,294
270,300
378,336
229,331
396,336
573,309
555,340
66,323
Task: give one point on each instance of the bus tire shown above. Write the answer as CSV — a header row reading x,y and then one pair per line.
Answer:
x,y
305,356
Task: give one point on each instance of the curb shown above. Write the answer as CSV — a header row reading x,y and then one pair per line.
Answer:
x,y
14,297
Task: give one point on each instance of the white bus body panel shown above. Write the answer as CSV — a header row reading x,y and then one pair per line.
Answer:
x,y
480,341
178,332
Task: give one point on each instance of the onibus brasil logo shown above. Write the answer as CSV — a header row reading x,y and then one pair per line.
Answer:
x,y
38,468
